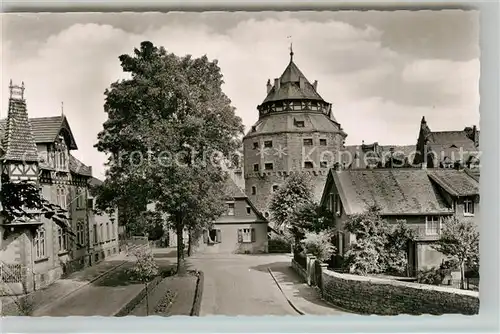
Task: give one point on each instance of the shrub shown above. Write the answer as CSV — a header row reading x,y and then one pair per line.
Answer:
x,y
279,244
319,245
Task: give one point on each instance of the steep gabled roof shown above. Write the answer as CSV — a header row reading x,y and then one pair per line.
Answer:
x,y
232,190
394,191
455,182
78,167
47,129
17,135
290,86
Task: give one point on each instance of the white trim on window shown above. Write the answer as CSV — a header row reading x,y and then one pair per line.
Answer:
x,y
433,225
468,207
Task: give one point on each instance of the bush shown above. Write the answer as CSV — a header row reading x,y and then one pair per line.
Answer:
x,y
435,276
319,245
279,244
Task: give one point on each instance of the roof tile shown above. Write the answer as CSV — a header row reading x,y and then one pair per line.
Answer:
x,y
394,191
455,182
17,138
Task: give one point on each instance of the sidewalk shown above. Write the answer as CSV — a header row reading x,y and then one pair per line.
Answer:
x,y
303,297
104,296
62,287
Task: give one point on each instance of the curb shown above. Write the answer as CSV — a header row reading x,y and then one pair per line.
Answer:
x,y
79,288
131,304
198,294
284,294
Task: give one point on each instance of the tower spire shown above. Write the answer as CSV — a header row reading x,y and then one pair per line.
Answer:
x,y
291,48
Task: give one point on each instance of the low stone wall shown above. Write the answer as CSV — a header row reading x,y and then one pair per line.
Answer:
x,y
390,297
298,268
370,295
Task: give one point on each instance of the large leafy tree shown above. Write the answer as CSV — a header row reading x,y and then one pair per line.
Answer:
x,y
167,128
295,193
22,200
460,241
380,247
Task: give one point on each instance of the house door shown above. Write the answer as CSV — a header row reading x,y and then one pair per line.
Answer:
x,y
412,258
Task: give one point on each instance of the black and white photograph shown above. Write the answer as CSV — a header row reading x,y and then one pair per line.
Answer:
x,y
240,163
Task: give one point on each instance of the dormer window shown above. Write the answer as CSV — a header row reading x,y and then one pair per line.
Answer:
x,y
298,123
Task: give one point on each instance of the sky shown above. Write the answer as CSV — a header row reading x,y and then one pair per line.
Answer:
x,y
381,70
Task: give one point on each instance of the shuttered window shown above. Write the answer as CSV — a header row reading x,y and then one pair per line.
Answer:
x,y
246,235
213,236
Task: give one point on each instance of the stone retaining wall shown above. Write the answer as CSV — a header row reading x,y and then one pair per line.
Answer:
x,y
370,295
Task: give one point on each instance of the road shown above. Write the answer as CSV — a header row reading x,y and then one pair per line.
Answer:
x,y
241,285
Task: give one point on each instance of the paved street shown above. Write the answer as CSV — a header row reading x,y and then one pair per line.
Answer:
x,y
241,285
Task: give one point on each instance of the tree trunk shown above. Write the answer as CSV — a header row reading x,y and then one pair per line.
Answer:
x,y
190,240
147,299
462,275
181,267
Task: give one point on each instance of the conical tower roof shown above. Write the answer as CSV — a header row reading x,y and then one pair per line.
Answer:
x,y
292,85
18,141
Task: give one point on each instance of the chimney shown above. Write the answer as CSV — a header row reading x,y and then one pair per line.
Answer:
x,y
315,84
269,87
302,82
276,84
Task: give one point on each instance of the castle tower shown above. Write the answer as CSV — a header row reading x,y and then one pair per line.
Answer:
x,y
296,133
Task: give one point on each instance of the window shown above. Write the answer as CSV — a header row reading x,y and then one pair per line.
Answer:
x,y
102,237
323,164
213,236
468,207
249,210
268,143
308,164
268,166
108,236
322,142
230,209
266,214
95,234
61,197
246,235
96,257
299,124
307,141
255,145
254,190
275,188
113,230
80,200
39,243
432,225
256,167
62,240
80,233
335,204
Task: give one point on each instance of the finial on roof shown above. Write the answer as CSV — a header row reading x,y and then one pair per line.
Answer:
x,y
16,91
423,120
291,48
62,108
